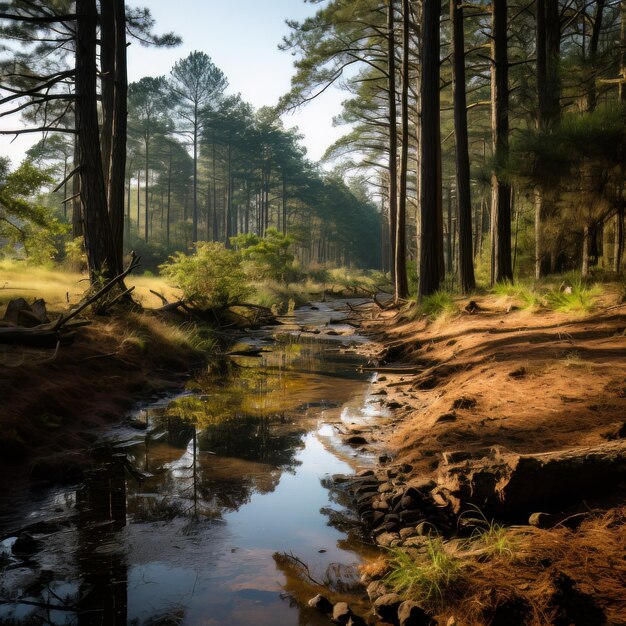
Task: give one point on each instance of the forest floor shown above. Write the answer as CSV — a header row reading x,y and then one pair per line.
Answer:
x,y
478,396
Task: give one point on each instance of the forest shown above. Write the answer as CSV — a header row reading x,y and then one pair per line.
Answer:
x,y
243,384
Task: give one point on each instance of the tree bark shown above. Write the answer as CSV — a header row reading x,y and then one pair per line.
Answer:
x,y
97,226
401,283
431,222
393,137
115,193
500,190
463,191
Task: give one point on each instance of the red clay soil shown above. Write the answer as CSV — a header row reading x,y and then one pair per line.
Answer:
x,y
526,381
53,404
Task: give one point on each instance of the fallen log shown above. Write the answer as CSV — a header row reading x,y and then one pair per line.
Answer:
x,y
502,483
36,337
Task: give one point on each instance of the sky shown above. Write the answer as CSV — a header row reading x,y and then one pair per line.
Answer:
x,y
241,37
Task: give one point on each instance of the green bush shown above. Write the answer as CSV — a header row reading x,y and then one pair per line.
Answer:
x,y
267,258
213,277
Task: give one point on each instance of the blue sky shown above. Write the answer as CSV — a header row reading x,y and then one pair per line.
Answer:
x,y
242,37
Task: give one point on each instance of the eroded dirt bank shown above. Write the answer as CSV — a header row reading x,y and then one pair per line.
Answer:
x,y
513,416
52,404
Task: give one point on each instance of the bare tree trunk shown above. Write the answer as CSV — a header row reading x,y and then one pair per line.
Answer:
x,y
393,136
463,190
401,282
431,223
500,190
622,56
618,240
97,226
169,200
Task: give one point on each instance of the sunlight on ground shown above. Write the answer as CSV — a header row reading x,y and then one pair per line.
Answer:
x,y
60,288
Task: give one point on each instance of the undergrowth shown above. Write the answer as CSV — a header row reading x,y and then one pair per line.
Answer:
x,y
427,578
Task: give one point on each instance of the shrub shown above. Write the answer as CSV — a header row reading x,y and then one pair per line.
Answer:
x,y
213,277
267,258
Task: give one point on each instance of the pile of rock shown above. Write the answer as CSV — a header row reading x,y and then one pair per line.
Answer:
x,y
389,608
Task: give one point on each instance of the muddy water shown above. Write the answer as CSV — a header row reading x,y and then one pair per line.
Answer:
x,y
193,504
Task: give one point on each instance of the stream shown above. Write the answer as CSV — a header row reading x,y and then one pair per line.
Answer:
x,y
195,500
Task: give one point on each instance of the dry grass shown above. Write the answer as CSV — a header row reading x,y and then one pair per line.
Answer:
x,y
61,288
592,556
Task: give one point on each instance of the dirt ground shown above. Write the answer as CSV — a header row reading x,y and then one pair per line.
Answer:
x,y
52,403
523,382
528,381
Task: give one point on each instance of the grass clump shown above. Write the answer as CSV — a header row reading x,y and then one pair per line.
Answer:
x,y
437,305
526,294
575,298
426,578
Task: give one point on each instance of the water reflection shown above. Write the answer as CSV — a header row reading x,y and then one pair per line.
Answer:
x,y
181,523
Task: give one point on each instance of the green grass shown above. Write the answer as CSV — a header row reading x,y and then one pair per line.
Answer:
x,y
437,305
427,578
575,298
571,295
488,537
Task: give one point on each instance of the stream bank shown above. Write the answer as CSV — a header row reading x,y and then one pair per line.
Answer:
x,y
504,457
199,506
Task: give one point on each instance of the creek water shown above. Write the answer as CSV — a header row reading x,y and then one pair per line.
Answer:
x,y
202,508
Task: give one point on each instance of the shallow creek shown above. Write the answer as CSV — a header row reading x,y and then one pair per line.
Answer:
x,y
194,498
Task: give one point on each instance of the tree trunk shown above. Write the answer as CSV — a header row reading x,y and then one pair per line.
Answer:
x,y
169,200
500,190
147,186
618,240
115,192
592,95
393,136
622,56
463,190
401,283
195,176
431,222
97,226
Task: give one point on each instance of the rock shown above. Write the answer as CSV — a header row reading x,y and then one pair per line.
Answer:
x,y
411,516
365,473
25,545
355,440
446,418
386,607
405,533
423,529
520,372
452,621
376,589
393,405
415,542
342,613
341,479
321,603
385,488
385,539
383,459
356,620
541,520
380,505
406,468
411,614
464,402
381,379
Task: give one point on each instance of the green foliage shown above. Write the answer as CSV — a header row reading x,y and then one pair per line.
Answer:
x,y
488,536
427,577
24,223
267,257
213,277
570,296
574,298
